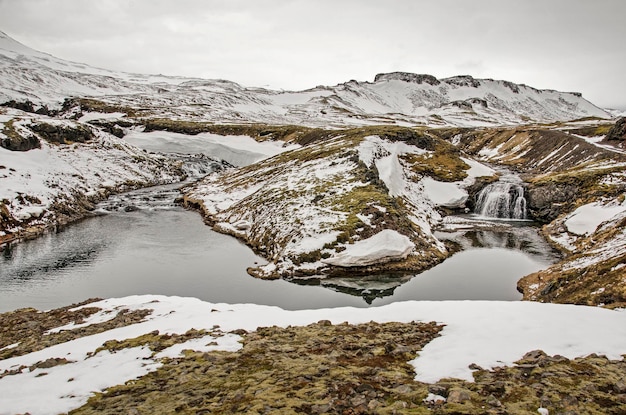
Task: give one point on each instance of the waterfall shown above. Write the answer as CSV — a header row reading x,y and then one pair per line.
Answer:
x,y
503,199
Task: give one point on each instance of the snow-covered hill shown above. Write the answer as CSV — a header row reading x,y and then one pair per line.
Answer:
x,y
392,98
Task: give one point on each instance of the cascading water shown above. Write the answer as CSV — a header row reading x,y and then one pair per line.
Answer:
x,y
503,200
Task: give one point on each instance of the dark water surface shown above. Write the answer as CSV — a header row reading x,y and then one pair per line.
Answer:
x,y
144,244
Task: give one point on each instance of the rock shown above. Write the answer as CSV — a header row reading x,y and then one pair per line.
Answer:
x,y
15,142
407,77
242,225
403,389
493,401
620,386
533,356
463,80
546,202
458,395
321,409
618,131
440,389
63,134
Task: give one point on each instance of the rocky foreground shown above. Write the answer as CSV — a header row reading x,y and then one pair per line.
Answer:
x,y
154,354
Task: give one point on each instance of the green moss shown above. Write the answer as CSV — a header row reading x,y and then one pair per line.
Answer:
x,y
592,131
153,340
94,105
447,167
285,370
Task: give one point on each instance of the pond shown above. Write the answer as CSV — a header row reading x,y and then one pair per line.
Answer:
x,y
142,243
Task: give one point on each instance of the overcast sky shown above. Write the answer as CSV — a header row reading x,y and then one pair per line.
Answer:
x,y
568,45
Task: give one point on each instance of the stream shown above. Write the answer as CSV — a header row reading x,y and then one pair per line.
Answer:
x,y
141,242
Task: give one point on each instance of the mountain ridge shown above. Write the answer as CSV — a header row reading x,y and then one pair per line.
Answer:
x,y
399,98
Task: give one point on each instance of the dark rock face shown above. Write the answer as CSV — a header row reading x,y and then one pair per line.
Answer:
x,y
547,202
513,87
463,80
61,135
407,77
618,131
411,137
19,143
28,106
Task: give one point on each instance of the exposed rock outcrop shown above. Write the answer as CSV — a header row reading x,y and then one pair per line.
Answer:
x,y
407,77
62,134
617,132
16,142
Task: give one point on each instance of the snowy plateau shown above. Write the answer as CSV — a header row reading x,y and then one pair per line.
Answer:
x,y
336,181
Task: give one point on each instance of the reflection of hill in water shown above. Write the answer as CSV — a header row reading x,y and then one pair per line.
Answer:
x,y
34,259
519,238
501,237
369,287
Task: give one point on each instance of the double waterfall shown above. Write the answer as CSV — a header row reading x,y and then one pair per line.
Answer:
x,y
503,200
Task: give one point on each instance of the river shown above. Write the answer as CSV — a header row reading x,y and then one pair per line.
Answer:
x,y
142,243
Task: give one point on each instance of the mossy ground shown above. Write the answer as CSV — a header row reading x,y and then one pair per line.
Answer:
x,y
338,369
28,327
314,369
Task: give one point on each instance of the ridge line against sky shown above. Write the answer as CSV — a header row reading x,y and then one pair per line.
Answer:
x,y
567,45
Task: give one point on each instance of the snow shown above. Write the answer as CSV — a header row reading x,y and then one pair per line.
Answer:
x,y
384,154
444,193
238,150
54,172
432,398
49,80
477,169
68,386
91,116
96,318
586,219
228,342
386,245
487,333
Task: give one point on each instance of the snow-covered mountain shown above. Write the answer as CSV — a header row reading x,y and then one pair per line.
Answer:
x,y
392,98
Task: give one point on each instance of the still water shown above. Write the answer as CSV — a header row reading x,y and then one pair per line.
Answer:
x,y
143,244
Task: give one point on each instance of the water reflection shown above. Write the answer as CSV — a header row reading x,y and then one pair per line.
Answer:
x,y
159,248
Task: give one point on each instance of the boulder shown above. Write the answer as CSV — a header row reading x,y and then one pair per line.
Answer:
x,y
16,142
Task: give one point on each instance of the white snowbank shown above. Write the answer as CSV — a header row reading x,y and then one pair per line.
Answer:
x,y
444,193
386,245
384,154
488,333
90,116
477,169
586,219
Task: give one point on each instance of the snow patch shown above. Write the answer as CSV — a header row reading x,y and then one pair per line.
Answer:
x,y
586,219
385,246
444,193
